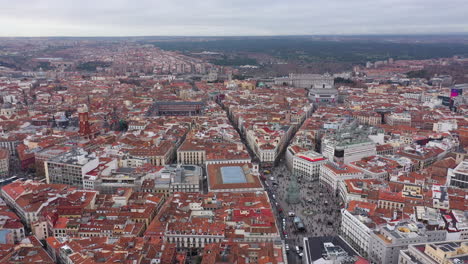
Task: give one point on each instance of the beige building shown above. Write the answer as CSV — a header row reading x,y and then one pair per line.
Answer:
x,y
368,118
156,155
195,157
191,152
453,252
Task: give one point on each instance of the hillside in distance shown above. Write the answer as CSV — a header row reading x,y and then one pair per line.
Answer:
x,y
302,49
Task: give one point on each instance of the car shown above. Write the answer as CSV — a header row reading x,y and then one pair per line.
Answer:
x,y
275,184
286,236
301,254
286,246
298,250
291,214
284,220
274,196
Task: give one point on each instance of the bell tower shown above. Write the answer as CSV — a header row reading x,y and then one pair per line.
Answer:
x,y
85,129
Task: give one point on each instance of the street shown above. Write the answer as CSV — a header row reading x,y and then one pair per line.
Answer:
x,y
319,210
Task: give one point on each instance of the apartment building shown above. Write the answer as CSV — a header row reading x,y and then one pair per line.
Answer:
x,y
70,167
4,162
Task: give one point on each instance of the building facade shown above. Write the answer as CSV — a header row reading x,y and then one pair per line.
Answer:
x,y
307,165
434,253
386,243
459,176
70,167
4,162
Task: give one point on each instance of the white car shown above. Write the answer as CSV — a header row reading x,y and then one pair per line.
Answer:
x,y
286,246
291,214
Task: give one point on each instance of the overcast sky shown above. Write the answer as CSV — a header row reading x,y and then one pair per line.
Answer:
x,y
230,17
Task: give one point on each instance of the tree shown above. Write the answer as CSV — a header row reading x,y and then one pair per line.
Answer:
x,y
418,74
123,125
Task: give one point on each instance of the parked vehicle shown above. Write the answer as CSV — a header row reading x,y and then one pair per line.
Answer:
x,y
298,250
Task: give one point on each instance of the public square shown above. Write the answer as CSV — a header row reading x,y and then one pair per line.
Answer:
x,y
318,209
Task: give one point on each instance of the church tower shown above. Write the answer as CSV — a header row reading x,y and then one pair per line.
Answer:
x,y
85,129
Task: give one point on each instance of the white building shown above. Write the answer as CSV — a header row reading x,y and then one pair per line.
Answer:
x,y
395,119
459,176
307,80
445,125
132,161
307,164
348,150
331,174
354,229
387,241
70,167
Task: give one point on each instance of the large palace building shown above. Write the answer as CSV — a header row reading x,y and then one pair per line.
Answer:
x,y
321,87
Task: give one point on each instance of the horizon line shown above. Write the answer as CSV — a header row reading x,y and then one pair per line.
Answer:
x,y
228,36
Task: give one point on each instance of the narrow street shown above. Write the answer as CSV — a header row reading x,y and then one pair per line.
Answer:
x,y
318,210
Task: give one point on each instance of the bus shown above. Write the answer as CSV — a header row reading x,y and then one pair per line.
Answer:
x,y
298,224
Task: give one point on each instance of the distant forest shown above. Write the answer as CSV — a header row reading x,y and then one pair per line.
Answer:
x,y
306,51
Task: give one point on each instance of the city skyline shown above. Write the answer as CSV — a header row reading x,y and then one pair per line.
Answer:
x,y
269,132
236,18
